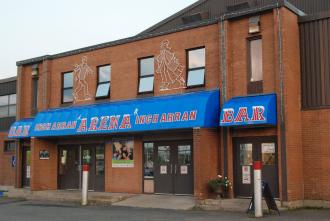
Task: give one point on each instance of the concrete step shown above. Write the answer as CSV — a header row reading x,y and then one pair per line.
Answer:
x,y
68,196
238,205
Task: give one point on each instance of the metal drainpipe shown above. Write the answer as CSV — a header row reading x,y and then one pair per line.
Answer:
x,y
282,107
223,73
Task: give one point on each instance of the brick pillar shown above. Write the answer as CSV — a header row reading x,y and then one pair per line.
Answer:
x,y
205,153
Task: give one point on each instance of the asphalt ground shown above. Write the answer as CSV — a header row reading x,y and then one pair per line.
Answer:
x,y
16,209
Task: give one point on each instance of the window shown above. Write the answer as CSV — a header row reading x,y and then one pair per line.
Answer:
x,y
146,75
67,87
196,67
103,81
8,106
10,146
148,160
256,60
255,84
34,95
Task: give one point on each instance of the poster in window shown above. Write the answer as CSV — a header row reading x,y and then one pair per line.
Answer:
x,y
246,154
122,153
246,174
268,153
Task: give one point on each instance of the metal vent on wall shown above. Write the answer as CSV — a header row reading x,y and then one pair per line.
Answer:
x,y
195,17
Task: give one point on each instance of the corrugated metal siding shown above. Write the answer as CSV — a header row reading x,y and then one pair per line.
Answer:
x,y
315,65
5,123
216,8
8,88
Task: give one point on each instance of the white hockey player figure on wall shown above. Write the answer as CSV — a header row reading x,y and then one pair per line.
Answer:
x,y
80,73
169,68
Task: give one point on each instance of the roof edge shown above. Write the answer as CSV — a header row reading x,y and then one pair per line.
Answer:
x,y
168,19
232,15
6,80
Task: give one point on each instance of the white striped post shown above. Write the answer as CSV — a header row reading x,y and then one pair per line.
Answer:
x,y
257,189
84,198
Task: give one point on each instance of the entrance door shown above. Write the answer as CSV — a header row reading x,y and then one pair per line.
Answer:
x,y
71,159
173,168
26,166
69,167
247,150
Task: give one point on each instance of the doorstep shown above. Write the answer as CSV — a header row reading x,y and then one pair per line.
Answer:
x,y
74,196
236,204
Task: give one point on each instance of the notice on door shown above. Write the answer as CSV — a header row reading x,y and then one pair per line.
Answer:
x,y
246,174
163,169
268,153
184,169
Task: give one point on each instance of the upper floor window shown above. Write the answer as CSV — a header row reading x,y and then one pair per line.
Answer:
x,y
67,87
10,146
103,81
146,75
8,106
34,95
255,63
196,67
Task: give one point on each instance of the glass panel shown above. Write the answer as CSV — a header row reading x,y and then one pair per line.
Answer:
x,y
256,60
67,95
246,154
4,111
146,84
86,156
184,155
12,110
103,90
3,100
149,160
147,66
68,80
104,73
12,99
197,58
196,77
163,154
268,153
99,160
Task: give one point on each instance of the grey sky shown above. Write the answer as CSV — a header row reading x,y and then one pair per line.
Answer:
x,y
31,28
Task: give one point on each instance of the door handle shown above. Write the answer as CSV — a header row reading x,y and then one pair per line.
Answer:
x,y
171,168
175,169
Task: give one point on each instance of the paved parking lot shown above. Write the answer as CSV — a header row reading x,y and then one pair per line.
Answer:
x,y
37,211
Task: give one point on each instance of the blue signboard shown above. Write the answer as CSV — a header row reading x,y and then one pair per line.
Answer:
x,y
13,161
198,109
249,110
20,129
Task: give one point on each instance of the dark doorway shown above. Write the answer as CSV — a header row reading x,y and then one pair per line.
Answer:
x,y
69,167
247,150
26,166
174,167
71,159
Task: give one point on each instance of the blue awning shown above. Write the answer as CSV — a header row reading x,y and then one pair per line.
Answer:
x,y
198,109
250,110
20,129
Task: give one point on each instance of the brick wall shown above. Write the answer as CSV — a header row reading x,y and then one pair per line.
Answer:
x,y
7,172
292,103
206,156
124,64
316,154
43,172
124,180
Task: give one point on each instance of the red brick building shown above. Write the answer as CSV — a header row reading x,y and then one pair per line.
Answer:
x,y
221,89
